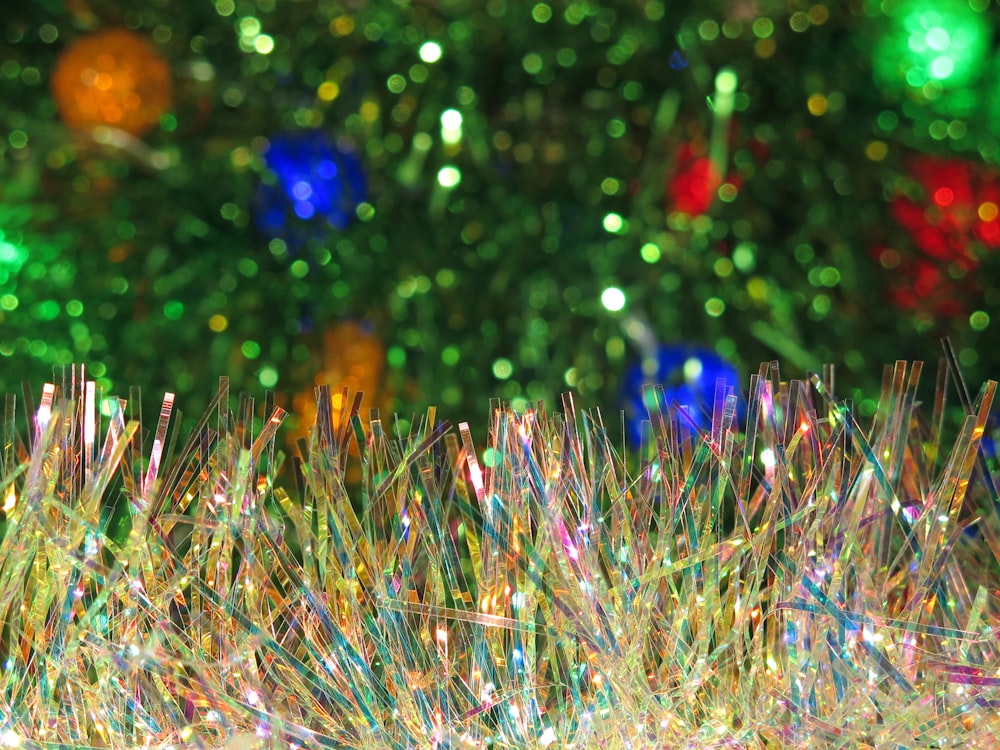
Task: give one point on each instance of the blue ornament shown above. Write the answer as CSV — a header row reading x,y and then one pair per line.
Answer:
x,y
688,375
315,183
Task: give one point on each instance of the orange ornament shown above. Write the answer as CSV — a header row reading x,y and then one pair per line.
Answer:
x,y
352,358
114,78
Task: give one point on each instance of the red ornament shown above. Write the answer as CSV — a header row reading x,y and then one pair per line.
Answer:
x,y
960,202
694,184
959,205
921,285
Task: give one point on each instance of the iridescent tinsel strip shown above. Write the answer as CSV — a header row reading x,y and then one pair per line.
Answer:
x,y
795,577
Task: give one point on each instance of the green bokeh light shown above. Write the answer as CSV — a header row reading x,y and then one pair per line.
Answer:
x,y
503,368
614,223
613,299
173,310
396,356
250,349
542,13
12,257
715,307
927,41
430,52
650,252
268,377
449,177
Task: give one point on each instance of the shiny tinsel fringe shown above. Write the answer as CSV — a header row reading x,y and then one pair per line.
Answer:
x,y
788,576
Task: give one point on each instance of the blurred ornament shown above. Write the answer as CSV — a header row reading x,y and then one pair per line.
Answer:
x,y
924,286
312,180
940,219
960,202
352,357
952,205
114,78
692,187
699,165
688,375
936,43
694,184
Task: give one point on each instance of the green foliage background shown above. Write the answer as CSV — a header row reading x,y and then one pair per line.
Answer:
x,y
571,111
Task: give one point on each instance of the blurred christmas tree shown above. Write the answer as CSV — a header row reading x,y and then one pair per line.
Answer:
x,y
511,199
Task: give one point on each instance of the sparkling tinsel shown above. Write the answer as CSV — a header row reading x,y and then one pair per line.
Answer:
x,y
806,580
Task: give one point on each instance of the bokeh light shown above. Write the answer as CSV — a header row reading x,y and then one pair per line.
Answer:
x,y
942,42
613,299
